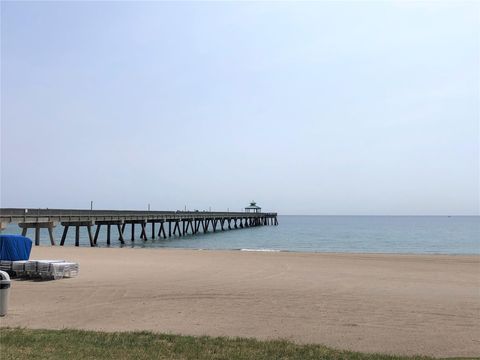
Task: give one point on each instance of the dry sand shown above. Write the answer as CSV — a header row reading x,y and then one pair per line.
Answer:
x,y
403,304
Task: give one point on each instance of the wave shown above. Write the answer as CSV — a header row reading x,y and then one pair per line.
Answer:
x,y
262,250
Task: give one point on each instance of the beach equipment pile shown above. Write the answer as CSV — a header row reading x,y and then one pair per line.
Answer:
x,y
14,259
43,269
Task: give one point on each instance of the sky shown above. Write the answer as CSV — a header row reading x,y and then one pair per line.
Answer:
x,y
330,108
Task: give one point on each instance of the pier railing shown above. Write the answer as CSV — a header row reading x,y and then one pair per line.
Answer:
x,y
8,215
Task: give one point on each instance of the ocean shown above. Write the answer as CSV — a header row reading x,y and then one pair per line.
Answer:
x,y
344,234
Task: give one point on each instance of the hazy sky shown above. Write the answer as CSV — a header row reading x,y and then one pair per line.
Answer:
x,y
308,108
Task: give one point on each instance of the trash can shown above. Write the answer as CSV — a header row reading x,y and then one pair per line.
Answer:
x,y
4,292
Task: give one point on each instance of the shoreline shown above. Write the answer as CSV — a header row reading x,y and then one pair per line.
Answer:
x,y
261,250
389,303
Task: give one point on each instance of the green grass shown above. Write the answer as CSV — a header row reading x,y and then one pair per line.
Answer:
x,y
16,343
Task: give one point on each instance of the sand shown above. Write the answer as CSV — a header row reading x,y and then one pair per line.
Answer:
x,y
402,304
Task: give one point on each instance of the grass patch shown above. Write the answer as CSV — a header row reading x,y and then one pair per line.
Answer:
x,y
16,343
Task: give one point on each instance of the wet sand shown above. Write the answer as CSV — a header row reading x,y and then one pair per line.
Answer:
x,y
402,304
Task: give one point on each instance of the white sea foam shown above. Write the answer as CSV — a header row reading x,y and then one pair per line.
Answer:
x,y
264,250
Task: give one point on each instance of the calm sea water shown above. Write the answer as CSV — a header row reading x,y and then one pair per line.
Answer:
x,y
361,234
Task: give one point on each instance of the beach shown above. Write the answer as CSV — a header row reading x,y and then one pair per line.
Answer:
x,y
398,304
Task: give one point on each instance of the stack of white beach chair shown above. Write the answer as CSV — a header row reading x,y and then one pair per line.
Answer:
x,y
5,265
45,269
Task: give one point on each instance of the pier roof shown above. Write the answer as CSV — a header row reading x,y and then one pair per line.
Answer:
x,y
253,205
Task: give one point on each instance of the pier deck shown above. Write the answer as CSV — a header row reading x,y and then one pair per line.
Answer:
x,y
170,223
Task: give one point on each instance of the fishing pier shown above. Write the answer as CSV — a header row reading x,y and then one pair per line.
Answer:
x,y
152,224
